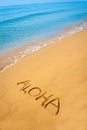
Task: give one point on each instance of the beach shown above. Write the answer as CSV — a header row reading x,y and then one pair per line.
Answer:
x,y
27,28
47,90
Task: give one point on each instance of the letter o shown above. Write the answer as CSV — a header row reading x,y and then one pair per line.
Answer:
x,y
33,89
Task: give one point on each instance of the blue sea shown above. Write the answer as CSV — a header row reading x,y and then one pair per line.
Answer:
x,y
27,28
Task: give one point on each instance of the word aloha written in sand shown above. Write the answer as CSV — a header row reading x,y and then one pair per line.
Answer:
x,y
37,93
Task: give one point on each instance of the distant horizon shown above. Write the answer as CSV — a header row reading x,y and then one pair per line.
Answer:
x,y
41,3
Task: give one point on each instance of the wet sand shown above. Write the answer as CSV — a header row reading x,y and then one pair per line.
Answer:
x,y
47,90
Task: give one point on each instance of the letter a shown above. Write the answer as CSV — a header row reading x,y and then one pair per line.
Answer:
x,y
57,106
25,83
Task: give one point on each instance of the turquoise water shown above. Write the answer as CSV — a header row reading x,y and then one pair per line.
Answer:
x,y
26,23
25,28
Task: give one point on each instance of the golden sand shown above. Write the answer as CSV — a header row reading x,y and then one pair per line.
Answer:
x,y
55,98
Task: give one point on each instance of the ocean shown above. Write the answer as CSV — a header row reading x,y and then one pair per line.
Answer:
x,y
27,28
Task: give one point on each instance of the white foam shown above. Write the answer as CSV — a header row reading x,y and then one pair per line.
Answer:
x,y
36,47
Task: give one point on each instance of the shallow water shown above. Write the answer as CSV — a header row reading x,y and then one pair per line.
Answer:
x,y
27,28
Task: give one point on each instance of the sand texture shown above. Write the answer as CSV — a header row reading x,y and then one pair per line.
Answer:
x,y
47,90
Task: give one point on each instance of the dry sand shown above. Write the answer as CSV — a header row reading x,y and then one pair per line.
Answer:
x,y
60,70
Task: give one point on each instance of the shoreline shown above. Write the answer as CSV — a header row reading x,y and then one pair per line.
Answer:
x,y
10,57
56,74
